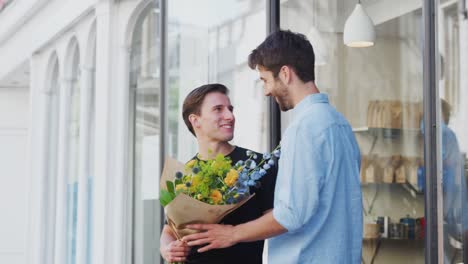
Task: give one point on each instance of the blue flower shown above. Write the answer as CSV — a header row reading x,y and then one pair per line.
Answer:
x,y
254,156
179,175
241,184
249,152
242,191
266,166
248,163
240,162
251,183
277,153
253,164
255,176
266,155
243,176
271,162
262,172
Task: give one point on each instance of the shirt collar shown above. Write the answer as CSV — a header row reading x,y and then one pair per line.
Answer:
x,y
309,100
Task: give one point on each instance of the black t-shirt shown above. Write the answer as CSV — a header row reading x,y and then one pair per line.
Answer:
x,y
245,253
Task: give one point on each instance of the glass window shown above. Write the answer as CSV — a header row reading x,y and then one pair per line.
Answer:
x,y
379,89
453,123
73,159
52,148
90,156
145,134
212,47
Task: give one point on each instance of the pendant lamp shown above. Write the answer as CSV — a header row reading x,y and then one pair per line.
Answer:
x,y
359,29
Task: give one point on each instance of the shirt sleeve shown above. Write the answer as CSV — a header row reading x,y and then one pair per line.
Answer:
x,y
302,171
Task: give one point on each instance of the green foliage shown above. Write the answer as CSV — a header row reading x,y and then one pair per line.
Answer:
x,y
217,181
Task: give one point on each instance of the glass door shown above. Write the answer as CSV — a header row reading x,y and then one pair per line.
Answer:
x,y
379,89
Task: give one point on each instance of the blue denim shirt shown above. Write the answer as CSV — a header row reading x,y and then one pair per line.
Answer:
x,y
318,194
455,199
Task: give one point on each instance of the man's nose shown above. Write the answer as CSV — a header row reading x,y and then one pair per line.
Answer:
x,y
228,115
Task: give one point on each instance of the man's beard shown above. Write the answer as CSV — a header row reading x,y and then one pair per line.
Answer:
x,y
283,103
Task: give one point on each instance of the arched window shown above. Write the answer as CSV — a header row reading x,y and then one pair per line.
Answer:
x,y
51,136
144,135
73,131
90,153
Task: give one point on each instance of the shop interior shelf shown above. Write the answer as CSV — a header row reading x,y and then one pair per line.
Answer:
x,y
407,186
387,132
384,248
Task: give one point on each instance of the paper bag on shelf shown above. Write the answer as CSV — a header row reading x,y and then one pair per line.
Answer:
x,y
395,114
400,174
364,165
388,174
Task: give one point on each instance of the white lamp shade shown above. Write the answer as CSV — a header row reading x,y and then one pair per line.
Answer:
x,y
359,29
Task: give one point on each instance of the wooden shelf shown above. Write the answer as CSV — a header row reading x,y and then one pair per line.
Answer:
x,y
387,132
407,186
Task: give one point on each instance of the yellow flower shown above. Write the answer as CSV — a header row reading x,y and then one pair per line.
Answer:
x,y
216,196
181,187
215,165
231,177
191,163
199,196
195,181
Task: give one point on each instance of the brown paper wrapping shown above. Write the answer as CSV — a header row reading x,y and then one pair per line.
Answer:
x,y
185,210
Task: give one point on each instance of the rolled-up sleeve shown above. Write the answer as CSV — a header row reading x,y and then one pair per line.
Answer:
x,y
302,169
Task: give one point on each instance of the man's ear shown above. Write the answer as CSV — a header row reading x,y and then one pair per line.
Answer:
x,y
285,74
194,120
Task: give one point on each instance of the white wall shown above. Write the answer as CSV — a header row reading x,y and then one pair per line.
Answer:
x,y
14,181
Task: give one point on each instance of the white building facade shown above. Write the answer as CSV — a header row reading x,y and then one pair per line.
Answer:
x,y
90,73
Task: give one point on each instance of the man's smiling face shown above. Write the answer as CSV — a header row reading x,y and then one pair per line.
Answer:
x,y
216,120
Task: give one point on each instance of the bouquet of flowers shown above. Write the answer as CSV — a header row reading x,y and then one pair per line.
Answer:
x,y
205,191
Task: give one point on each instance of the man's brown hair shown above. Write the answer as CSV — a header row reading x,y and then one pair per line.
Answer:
x,y
446,110
194,100
284,47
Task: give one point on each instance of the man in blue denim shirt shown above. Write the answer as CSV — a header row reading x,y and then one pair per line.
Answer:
x,y
454,189
317,214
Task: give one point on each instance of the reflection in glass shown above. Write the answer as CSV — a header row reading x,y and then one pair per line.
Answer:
x,y
212,47
379,90
453,126
145,167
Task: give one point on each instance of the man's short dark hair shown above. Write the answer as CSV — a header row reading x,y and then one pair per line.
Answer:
x,y
194,100
446,110
282,48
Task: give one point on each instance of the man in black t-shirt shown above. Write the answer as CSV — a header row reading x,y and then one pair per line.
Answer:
x,y
208,114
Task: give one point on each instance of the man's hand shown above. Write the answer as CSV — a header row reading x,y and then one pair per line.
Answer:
x,y
176,251
214,236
